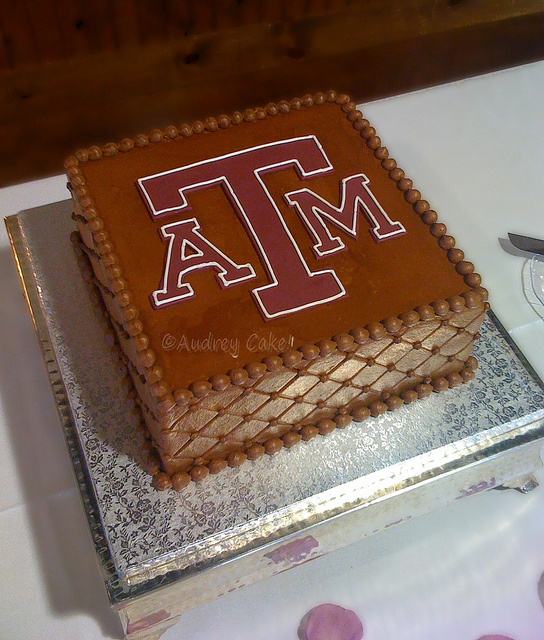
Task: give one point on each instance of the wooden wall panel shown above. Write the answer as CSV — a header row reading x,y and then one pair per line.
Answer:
x,y
111,68
17,34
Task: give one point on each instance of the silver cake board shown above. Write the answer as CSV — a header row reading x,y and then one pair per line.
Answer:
x,y
162,553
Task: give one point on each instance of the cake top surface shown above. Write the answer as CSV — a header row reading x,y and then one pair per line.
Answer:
x,y
246,236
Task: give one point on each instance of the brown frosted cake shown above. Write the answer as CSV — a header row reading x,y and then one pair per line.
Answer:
x,y
271,276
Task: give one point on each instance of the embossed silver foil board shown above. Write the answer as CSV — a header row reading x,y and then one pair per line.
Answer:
x,y
266,516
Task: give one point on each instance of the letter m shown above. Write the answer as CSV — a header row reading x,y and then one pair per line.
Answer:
x,y
355,196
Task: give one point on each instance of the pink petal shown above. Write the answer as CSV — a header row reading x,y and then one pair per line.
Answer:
x,y
331,622
495,638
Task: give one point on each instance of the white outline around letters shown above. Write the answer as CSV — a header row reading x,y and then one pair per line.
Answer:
x,y
185,286
264,258
352,231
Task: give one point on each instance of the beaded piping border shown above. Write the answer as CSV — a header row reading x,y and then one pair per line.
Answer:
x,y
167,398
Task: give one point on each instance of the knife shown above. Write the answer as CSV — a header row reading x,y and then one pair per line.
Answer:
x,y
529,245
507,246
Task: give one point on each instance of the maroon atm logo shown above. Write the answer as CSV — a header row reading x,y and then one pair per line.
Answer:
x,y
292,285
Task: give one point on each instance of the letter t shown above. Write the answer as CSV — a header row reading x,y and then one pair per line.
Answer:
x,y
292,286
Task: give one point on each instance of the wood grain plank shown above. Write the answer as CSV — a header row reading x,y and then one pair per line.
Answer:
x,y
178,20
227,13
151,20
125,19
48,111
4,60
19,43
248,12
69,14
191,61
45,29
202,17
97,21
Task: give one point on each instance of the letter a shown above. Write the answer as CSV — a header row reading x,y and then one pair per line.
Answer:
x,y
189,250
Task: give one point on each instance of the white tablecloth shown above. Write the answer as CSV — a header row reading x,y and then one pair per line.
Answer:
x,y
475,149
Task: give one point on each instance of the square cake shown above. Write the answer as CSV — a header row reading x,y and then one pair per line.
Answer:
x,y
271,276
